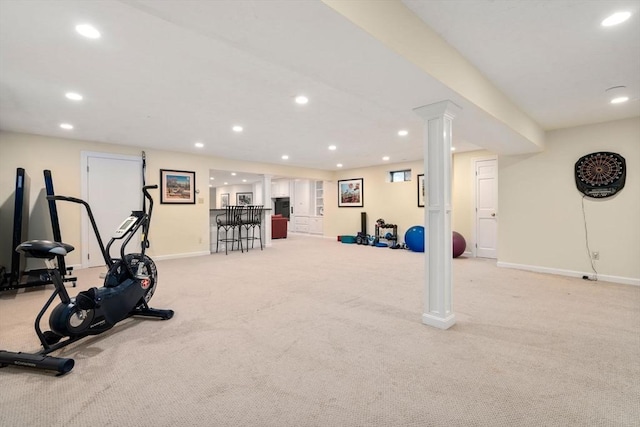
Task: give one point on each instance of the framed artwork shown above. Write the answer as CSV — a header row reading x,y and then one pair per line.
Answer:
x,y
224,200
421,190
350,193
177,187
244,199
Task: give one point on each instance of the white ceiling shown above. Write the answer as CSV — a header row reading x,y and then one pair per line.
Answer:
x,y
552,58
167,74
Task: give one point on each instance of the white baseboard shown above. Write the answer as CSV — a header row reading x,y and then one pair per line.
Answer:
x,y
184,255
570,273
299,233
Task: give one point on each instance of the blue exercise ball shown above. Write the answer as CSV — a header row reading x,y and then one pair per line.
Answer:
x,y
414,238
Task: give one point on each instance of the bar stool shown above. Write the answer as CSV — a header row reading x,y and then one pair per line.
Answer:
x,y
251,221
229,220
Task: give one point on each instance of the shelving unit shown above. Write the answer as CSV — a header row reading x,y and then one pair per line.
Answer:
x,y
319,198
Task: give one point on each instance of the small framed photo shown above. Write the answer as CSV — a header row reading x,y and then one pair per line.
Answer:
x,y
350,193
224,200
177,187
421,190
244,199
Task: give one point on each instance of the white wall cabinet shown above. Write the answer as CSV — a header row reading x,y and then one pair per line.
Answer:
x,y
308,206
301,197
280,188
315,225
301,224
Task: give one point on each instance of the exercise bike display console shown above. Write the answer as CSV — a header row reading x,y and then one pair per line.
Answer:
x,y
128,286
126,225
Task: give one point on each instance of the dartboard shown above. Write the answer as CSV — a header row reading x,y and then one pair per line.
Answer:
x,y
600,174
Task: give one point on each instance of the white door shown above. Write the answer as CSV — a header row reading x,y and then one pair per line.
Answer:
x,y
486,208
113,188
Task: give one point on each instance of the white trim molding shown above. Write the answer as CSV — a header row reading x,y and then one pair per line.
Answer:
x,y
570,273
184,255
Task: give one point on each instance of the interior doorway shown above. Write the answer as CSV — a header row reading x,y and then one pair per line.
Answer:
x,y
486,207
112,185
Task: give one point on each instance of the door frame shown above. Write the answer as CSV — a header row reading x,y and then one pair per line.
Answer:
x,y
474,205
84,191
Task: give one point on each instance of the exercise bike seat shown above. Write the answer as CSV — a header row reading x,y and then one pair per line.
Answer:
x,y
44,248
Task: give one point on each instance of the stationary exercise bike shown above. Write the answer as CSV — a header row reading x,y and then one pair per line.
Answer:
x,y
128,286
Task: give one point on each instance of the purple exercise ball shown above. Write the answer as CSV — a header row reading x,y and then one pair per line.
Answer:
x,y
459,244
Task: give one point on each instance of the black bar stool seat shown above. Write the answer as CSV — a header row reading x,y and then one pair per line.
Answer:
x,y
229,221
252,220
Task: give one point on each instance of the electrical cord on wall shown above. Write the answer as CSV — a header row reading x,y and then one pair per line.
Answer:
x,y
586,239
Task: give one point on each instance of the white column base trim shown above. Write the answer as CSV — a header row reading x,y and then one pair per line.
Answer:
x,y
570,273
439,322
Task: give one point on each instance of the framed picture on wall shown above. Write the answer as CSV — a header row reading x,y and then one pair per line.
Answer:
x,y
421,190
244,199
350,193
224,200
177,187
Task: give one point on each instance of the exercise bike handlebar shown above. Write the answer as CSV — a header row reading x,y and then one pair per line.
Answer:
x,y
146,192
91,218
145,229
105,253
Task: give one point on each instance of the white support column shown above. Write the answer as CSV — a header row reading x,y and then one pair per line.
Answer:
x,y
438,119
266,201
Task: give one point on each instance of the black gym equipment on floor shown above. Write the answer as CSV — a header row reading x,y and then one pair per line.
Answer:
x,y
18,276
128,286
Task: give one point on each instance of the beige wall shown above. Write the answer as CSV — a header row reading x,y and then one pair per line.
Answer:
x,y
395,202
63,156
540,216
541,220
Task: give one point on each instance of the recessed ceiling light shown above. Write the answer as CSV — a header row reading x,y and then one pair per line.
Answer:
x,y
339,165
403,132
73,96
210,185
385,158
88,31
244,180
212,178
453,148
617,94
285,157
199,144
226,183
301,99
332,147
619,100
615,19
66,126
233,174
237,128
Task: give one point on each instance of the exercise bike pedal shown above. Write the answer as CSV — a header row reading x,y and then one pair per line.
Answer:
x,y
51,337
88,300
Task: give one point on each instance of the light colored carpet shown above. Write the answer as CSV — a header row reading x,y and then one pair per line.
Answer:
x,y
311,332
